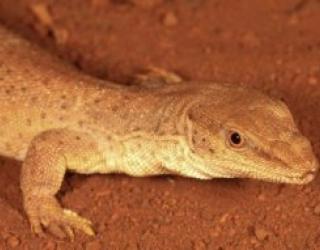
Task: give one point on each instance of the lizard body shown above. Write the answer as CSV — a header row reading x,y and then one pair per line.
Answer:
x,y
56,119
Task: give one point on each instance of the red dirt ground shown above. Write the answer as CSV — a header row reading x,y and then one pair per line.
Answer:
x,y
272,45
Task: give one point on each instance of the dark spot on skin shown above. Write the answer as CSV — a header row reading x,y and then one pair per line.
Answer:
x,y
8,146
96,101
61,118
78,138
34,99
23,89
3,119
211,150
60,142
43,115
63,97
114,108
125,97
28,121
63,106
80,123
124,115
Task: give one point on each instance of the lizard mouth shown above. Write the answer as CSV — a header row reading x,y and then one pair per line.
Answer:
x,y
280,176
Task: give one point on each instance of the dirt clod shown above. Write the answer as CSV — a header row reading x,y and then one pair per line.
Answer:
x,y
317,209
41,11
13,241
170,19
261,233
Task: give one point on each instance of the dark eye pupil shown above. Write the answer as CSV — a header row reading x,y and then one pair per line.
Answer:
x,y
235,138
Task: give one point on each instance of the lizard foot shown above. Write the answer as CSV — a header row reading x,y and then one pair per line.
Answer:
x,y
58,221
155,77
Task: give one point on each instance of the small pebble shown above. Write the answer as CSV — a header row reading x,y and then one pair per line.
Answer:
x,y
261,233
13,241
317,209
41,11
170,19
224,218
61,35
312,80
261,197
293,20
199,245
254,242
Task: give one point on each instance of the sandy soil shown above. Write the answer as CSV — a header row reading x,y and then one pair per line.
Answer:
x,y
272,45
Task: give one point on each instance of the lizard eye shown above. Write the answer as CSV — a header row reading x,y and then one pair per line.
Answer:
x,y
235,139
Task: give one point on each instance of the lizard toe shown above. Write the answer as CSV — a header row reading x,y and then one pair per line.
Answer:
x,y
56,230
36,227
51,217
75,221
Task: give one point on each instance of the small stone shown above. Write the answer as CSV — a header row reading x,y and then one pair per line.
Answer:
x,y
61,35
312,80
199,245
254,242
5,235
293,20
232,232
13,241
171,180
41,11
224,218
307,190
94,245
277,208
261,197
170,19
215,231
316,210
261,233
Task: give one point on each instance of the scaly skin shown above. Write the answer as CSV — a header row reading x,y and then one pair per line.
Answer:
x,y
56,119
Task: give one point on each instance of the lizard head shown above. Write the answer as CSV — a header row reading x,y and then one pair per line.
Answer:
x,y
246,134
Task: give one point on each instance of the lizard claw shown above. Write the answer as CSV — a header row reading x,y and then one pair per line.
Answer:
x,y
58,221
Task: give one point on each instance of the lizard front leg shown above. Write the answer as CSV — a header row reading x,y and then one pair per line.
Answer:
x,y
49,156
